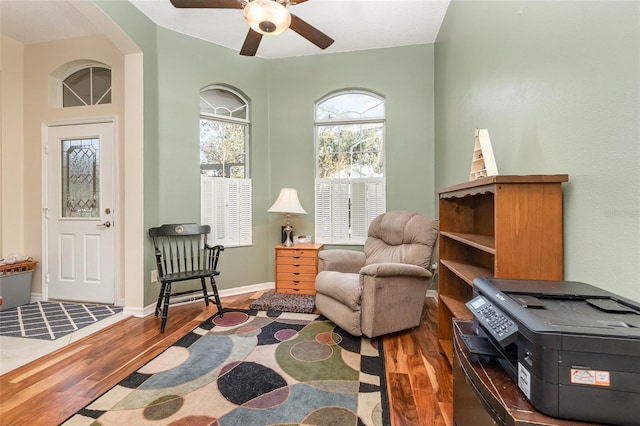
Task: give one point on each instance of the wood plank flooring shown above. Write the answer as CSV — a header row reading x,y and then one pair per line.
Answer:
x,y
51,389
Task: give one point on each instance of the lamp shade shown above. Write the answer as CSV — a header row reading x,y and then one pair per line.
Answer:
x,y
267,17
287,202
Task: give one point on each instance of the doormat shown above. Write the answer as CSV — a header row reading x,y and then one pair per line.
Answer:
x,y
51,320
284,302
253,368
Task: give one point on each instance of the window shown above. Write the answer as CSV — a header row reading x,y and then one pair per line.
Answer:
x,y
350,182
90,85
225,184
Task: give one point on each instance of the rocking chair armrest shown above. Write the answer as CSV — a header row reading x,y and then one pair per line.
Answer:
x,y
212,255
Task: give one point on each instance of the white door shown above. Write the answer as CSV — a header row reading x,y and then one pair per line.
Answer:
x,y
79,219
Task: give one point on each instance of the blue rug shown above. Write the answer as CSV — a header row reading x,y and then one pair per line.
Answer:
x,y
51,320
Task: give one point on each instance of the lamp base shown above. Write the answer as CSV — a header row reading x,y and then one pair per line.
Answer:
x,y
288,241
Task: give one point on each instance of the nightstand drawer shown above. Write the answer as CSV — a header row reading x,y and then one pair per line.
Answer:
x,y
284,260
297,278
298,253
298,269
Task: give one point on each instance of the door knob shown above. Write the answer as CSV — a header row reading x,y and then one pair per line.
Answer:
x,y
107,224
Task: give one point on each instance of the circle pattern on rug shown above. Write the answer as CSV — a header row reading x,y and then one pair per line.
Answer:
x,y
163,407
311,351
286,334
272,399
329,338
247,381
230,319
331,416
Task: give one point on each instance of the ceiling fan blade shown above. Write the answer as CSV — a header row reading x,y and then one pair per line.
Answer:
x,y
216,4
310,32
251,43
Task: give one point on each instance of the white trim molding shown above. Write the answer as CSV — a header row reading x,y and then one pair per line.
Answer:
x,y
150,309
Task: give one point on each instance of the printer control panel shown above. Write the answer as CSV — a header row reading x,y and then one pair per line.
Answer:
x,y
493,320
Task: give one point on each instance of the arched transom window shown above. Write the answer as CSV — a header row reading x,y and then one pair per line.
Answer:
x,y
90,85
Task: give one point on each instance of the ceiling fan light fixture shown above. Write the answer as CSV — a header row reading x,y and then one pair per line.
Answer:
x,y
267,17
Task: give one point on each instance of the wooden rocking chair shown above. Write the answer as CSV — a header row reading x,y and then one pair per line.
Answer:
x,y
182,254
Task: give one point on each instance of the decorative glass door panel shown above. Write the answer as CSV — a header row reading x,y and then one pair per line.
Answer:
x,y
80,184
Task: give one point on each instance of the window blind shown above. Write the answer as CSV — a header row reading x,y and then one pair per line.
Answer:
x,y
226,207
346,207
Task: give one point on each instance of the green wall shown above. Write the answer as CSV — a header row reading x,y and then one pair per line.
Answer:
x,y
558,86
403,75
143,32
187,65
281,93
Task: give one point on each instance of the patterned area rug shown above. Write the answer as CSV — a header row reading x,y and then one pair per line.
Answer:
x,y
284,302
253,368
51,320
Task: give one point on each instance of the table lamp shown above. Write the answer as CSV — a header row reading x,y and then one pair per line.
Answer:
x,y
288,204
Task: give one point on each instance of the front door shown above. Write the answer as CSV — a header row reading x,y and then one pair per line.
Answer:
x,y
79,263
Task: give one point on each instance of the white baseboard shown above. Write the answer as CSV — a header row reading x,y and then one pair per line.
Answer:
x,y
138,312
432,293
150,309
247,289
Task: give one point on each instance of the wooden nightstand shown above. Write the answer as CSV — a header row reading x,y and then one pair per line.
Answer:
x,y
296,268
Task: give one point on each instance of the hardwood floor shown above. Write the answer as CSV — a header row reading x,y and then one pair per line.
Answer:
x,y
49,390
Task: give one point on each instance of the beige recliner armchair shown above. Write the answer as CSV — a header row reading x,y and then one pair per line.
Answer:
x,y
382,289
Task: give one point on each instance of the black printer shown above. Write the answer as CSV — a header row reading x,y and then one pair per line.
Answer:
x,y
572,348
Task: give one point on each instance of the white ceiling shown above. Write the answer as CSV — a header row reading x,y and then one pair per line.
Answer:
x,y
353,24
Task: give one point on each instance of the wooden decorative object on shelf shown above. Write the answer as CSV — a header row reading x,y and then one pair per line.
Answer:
x,y
497,226
483,163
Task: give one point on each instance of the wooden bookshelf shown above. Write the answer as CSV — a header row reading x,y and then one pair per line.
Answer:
x,y
496,226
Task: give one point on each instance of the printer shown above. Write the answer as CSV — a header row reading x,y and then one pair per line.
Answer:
x,y
572,348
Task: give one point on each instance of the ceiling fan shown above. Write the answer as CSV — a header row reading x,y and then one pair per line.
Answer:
x,y
265,17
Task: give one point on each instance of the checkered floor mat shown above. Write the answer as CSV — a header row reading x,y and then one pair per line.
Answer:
x,y
51,320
